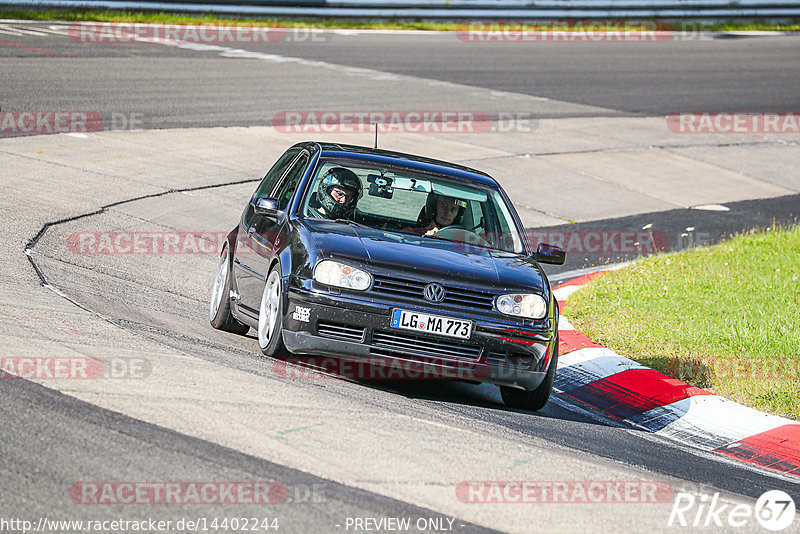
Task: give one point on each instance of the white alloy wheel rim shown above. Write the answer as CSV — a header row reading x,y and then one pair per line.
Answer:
x,y
219,285
268,313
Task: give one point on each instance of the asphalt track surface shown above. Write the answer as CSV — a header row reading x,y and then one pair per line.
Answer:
x,y
694,71
650,78
64,426
64,439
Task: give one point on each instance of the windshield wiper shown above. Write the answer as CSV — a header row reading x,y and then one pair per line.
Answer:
x,y
350,222
434,236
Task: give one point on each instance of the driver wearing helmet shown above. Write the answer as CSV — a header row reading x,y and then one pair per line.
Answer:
x,y
337,194
439,212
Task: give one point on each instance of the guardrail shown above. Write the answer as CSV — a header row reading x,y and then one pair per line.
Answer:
x,y
454,9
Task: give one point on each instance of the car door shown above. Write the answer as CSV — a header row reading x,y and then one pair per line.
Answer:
x,y
263,231
247,278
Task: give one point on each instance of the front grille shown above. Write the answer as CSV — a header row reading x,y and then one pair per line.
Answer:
x,y
341,331
496,357
413,291
510,359
401,345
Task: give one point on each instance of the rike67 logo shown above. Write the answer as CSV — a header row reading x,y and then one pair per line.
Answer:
x,y
774,510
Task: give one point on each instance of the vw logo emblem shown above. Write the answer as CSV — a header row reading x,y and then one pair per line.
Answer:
x,y
434,292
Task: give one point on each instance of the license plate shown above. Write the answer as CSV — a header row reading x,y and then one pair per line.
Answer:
x,y
431,324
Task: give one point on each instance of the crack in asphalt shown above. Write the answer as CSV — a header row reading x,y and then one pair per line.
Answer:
x,y
119,278
28,250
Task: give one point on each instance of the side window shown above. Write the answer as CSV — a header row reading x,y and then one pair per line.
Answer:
x,y
509,238
287,188
275,173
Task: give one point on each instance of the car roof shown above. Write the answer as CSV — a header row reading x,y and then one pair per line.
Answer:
x,y
409,161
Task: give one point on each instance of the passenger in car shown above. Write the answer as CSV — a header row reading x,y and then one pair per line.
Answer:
x,y
439,212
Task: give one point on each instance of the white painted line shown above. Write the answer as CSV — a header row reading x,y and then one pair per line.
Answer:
x,y
10,31
54,30
20,31
38,31
710,207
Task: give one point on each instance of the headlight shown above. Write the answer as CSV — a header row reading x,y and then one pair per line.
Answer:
x,y
522,305
337,274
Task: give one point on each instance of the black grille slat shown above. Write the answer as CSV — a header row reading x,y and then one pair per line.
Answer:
x,y
443,349
340,331
402,292
450,364
470,295
413,290
396,336
396,282
466,301
496,357
400,343
481,295
513,359
408,292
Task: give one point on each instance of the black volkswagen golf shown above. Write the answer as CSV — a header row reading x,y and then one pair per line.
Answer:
x,y
371,256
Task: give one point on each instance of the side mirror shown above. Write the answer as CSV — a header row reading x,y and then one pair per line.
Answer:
x,y
550,254
268,207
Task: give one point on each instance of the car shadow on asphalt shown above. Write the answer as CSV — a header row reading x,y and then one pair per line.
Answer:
x,y
457,396
485,399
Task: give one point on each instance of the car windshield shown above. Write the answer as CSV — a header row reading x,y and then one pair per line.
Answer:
x,y
396,200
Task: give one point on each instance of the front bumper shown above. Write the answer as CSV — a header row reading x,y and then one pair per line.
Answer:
x,y
355,328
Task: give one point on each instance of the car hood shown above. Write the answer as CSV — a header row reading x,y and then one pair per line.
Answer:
x,y
425,257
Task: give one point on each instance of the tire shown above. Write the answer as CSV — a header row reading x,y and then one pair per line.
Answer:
x,y
220,314
536,399
270,316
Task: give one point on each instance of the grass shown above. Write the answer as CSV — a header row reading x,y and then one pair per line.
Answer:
x,y
176,18
724,318
104,15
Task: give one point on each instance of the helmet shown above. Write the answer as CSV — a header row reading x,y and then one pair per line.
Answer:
x,y
428,211
345,179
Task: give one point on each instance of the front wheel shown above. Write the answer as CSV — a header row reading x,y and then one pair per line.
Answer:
x,y
270,316
220,314
536,399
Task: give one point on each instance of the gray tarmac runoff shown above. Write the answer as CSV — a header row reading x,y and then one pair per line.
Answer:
x,y
591,160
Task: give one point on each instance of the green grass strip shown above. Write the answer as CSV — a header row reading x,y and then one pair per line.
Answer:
x,y
725,318
210,19
103,15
